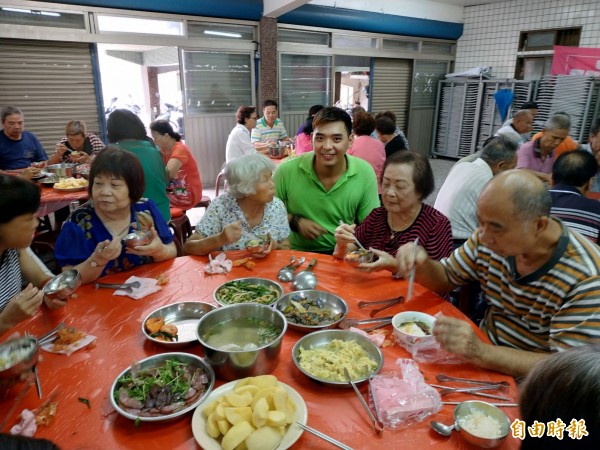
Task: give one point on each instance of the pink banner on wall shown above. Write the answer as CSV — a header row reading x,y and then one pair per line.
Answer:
x,y
575,61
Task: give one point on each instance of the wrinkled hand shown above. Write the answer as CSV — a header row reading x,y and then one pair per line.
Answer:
x,y
23,305
344,234
109,250
405,256
263,253
61,149
309,229
145,220
232,232
458,337
54,303
384,261
154,248
30,172
82,157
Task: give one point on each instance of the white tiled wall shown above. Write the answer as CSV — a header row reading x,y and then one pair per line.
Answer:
x,y
491,32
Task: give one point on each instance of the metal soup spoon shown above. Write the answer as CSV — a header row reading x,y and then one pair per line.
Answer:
x,y
443,429
306,279
287,273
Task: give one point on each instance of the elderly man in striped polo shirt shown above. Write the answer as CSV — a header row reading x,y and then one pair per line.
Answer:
x,y
541,280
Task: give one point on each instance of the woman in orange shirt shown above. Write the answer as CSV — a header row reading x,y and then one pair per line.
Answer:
x,y
185,186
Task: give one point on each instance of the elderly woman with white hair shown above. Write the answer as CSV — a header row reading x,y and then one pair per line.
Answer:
x,y
246,212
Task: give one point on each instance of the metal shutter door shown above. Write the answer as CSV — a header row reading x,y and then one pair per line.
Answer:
x,y
52,83
390,88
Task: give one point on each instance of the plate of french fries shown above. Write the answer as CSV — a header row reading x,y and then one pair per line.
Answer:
x,y
257,413
71,184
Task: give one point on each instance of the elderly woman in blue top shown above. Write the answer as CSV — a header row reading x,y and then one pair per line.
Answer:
x,y
246,212
91,239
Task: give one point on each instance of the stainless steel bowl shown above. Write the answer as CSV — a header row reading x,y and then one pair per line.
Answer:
x,y
49,181
277,151
158,361
140,237
322,338
185,316
62,170
63,285
358,257
252,299
17,357
324,301
234,364
464,409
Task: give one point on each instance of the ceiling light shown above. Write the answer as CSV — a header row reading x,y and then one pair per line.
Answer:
x,y
48,13
223,33
27,11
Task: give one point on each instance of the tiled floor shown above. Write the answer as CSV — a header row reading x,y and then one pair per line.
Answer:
x,y
440,167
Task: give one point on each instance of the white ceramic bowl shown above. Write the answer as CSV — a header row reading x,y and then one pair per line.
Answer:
x,y
405,339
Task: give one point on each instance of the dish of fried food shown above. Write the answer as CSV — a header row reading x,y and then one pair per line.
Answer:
x,y
66,337
158,329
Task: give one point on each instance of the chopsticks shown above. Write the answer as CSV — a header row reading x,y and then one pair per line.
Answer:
x,y
51,335
324,436
411,277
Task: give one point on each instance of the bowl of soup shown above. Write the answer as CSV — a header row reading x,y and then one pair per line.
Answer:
x,y
242,340
412,328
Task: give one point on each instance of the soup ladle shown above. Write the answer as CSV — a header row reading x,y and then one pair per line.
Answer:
x,y
441,428
306,279
286,274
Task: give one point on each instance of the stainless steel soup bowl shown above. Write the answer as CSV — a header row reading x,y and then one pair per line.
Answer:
x,y
234,364
62,170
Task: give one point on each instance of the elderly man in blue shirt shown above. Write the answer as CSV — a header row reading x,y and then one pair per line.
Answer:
x,y
18,148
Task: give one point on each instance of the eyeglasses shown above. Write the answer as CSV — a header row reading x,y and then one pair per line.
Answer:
x,y
253,118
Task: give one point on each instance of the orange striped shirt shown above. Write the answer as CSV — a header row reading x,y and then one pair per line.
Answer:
x,y
552,309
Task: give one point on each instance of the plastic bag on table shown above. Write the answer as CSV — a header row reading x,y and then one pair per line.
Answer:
x,y
429,351
402,396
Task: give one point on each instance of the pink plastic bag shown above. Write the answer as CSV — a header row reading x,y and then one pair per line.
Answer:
x,y
402,396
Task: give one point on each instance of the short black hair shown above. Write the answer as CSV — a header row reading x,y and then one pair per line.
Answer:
x,y
270,103
530,105
164,127
121,164
423,178
18,196
314,109
385,125
574,168
331,114
122,125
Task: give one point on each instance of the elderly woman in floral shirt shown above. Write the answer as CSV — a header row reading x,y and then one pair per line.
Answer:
x,y
245,213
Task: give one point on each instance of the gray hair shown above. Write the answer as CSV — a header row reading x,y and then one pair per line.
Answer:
x,y
498,149
243,173
558,122
9,111
76,127
529,197
574,375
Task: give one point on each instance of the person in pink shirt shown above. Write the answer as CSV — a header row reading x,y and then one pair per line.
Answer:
x,y
304,135
364,146
185,186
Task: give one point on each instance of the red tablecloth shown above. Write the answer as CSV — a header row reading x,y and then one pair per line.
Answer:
x,y
116,321
53,199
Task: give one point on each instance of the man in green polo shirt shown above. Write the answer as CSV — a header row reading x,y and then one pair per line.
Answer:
x,y
322,187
